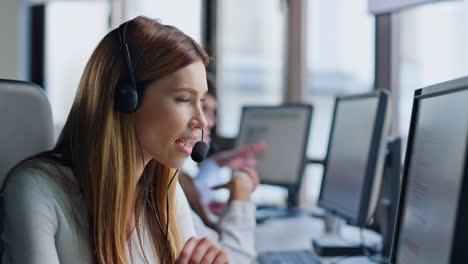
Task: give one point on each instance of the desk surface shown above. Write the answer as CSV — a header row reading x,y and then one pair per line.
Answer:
x,y
297,233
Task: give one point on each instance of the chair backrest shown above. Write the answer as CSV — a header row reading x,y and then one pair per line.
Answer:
x,y
25,121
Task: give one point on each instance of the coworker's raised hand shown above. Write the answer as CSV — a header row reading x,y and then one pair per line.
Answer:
x,y
242,184
201,251
241,157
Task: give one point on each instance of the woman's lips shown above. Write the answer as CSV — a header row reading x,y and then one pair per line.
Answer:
x,y
184,146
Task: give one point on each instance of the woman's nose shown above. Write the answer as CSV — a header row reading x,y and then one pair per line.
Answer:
x,y
199,120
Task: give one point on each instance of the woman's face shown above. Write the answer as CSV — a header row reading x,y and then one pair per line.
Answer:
x,y
170,118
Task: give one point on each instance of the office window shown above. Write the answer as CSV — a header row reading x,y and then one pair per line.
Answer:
x,y
249,58
433,49
73,30
187,19
340,60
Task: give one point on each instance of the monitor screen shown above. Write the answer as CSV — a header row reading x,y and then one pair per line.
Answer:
x,y
354,149
285,129
435,167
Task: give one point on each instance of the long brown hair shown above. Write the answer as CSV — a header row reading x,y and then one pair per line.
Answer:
x,y
100,145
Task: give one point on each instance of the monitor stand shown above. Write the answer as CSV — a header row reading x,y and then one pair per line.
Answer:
x,y
332,242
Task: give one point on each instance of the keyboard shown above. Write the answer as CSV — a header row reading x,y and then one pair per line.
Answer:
x,y
275,213
289,257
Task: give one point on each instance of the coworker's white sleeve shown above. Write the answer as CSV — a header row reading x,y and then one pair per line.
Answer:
x,y
29,219
208,176
237,231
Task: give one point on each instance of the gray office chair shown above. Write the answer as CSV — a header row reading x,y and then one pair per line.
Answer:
x,y
26,123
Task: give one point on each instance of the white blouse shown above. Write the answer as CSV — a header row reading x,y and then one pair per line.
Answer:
x,y
44,224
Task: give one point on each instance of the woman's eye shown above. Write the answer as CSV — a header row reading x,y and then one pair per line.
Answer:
x,y
182,99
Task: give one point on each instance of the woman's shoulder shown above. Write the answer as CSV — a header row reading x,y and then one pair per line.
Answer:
x,y
180,200
26,175
34,178
183,213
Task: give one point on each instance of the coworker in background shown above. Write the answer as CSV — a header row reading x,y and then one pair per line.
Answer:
x,y
99,196
236,226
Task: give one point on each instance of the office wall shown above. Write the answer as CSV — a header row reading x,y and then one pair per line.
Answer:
x,y
14,42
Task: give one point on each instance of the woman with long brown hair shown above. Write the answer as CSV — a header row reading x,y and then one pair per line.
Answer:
x,y
108,192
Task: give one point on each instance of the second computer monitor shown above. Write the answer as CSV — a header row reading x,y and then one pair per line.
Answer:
x,y
285,129
355,156
433,215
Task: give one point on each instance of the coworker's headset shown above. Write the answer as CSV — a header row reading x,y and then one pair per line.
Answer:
x,y
127,97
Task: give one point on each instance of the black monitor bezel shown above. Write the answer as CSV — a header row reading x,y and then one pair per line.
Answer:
x,y
390,190
307,107
460,239
359,219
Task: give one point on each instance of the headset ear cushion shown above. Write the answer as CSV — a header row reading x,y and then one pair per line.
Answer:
x,y
126,97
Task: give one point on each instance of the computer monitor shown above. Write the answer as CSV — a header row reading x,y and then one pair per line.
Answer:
x,y
353,167
285,129
432,217
386,212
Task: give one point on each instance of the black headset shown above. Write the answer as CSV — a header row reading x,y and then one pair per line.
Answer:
x,y
127,96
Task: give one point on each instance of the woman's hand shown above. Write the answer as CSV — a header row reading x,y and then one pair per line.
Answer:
x,y
242,184
201,251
